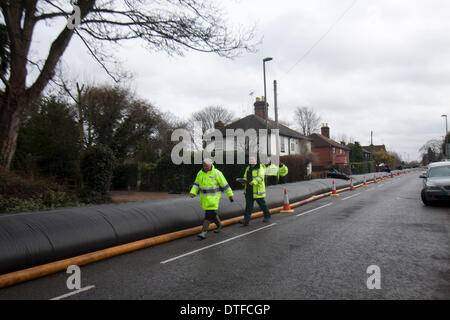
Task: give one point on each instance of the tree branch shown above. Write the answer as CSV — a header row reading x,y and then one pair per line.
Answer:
x,y
50,15
95,57
4,80
56,51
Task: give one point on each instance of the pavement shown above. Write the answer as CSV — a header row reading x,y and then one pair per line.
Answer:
x,y
323,250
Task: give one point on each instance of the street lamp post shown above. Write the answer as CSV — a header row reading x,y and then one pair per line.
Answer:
x,y
265,99
446,151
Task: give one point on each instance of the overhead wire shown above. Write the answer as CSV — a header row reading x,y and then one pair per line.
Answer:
x,y
323,36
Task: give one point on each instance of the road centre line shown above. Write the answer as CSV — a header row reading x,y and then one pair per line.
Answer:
x,y
215,244
356,194
73,293
326,205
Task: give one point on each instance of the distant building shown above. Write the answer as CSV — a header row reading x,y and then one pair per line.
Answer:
x,y
367,154
374,148
291,142
329,152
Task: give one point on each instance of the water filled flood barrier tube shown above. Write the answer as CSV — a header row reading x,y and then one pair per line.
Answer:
x,y
34,238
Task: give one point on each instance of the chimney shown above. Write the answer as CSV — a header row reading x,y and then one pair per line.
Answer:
x,y
259,107
325,130
219,125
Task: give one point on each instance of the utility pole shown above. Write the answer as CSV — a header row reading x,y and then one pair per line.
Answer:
x,y
446,148
265,99
277,137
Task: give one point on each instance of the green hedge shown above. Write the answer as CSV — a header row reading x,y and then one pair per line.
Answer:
x,y
362,167
296,167
125,176
164,175
97,164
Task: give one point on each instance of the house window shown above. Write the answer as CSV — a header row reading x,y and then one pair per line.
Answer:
x,y
292,146
282,148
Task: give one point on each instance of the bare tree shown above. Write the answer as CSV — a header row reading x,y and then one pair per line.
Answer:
x,y
210,115
167,25
307,120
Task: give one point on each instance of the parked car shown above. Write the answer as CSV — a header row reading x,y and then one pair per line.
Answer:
x,y
333,173
436,183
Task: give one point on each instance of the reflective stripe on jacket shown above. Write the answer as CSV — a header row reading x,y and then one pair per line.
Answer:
x,y
210,185
259,187
272,170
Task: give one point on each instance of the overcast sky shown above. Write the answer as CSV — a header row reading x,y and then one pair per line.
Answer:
x,y
383,66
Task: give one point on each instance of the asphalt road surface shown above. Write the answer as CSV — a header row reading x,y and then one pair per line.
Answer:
x,y
380,236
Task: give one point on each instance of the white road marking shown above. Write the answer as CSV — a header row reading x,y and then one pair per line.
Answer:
x,y
356,194
215,244
328,204
73,293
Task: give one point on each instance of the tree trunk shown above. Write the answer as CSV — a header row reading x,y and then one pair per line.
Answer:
x,y
10,116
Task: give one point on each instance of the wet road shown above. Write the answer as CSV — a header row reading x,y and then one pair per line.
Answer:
x,y
322,251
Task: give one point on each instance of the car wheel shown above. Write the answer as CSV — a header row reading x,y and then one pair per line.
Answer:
x,y
424,199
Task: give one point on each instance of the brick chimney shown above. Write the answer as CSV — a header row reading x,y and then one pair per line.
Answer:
x,y
325,130
259,107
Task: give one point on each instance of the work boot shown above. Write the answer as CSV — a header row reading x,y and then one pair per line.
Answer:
x,y
218,224
244,223
202,235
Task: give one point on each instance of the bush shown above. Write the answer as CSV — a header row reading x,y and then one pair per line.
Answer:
x,y
19,194
125,176
48,141
362,167
97,164
296,167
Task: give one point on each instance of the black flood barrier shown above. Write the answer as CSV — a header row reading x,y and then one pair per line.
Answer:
x,y
33,238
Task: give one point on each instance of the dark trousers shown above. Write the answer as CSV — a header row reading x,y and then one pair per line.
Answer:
x,y
249,201
210,215
272,180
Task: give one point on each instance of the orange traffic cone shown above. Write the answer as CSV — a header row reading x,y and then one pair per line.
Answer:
x,y
351,184
333,190
286,205
365,182
374,178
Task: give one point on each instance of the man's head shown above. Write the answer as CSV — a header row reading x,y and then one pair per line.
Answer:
x,y
252,161
207,164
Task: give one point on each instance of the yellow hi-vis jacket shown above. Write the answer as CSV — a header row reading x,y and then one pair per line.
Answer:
x,y
272,170
283,170
211,184
259,187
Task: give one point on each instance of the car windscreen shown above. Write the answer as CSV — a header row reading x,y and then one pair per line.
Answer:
x,y
443,171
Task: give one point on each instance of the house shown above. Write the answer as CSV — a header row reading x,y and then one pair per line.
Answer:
x,y
290,141
374,148
367,154
329,152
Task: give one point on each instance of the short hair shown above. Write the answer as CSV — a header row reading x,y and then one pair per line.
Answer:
x,y
207,161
